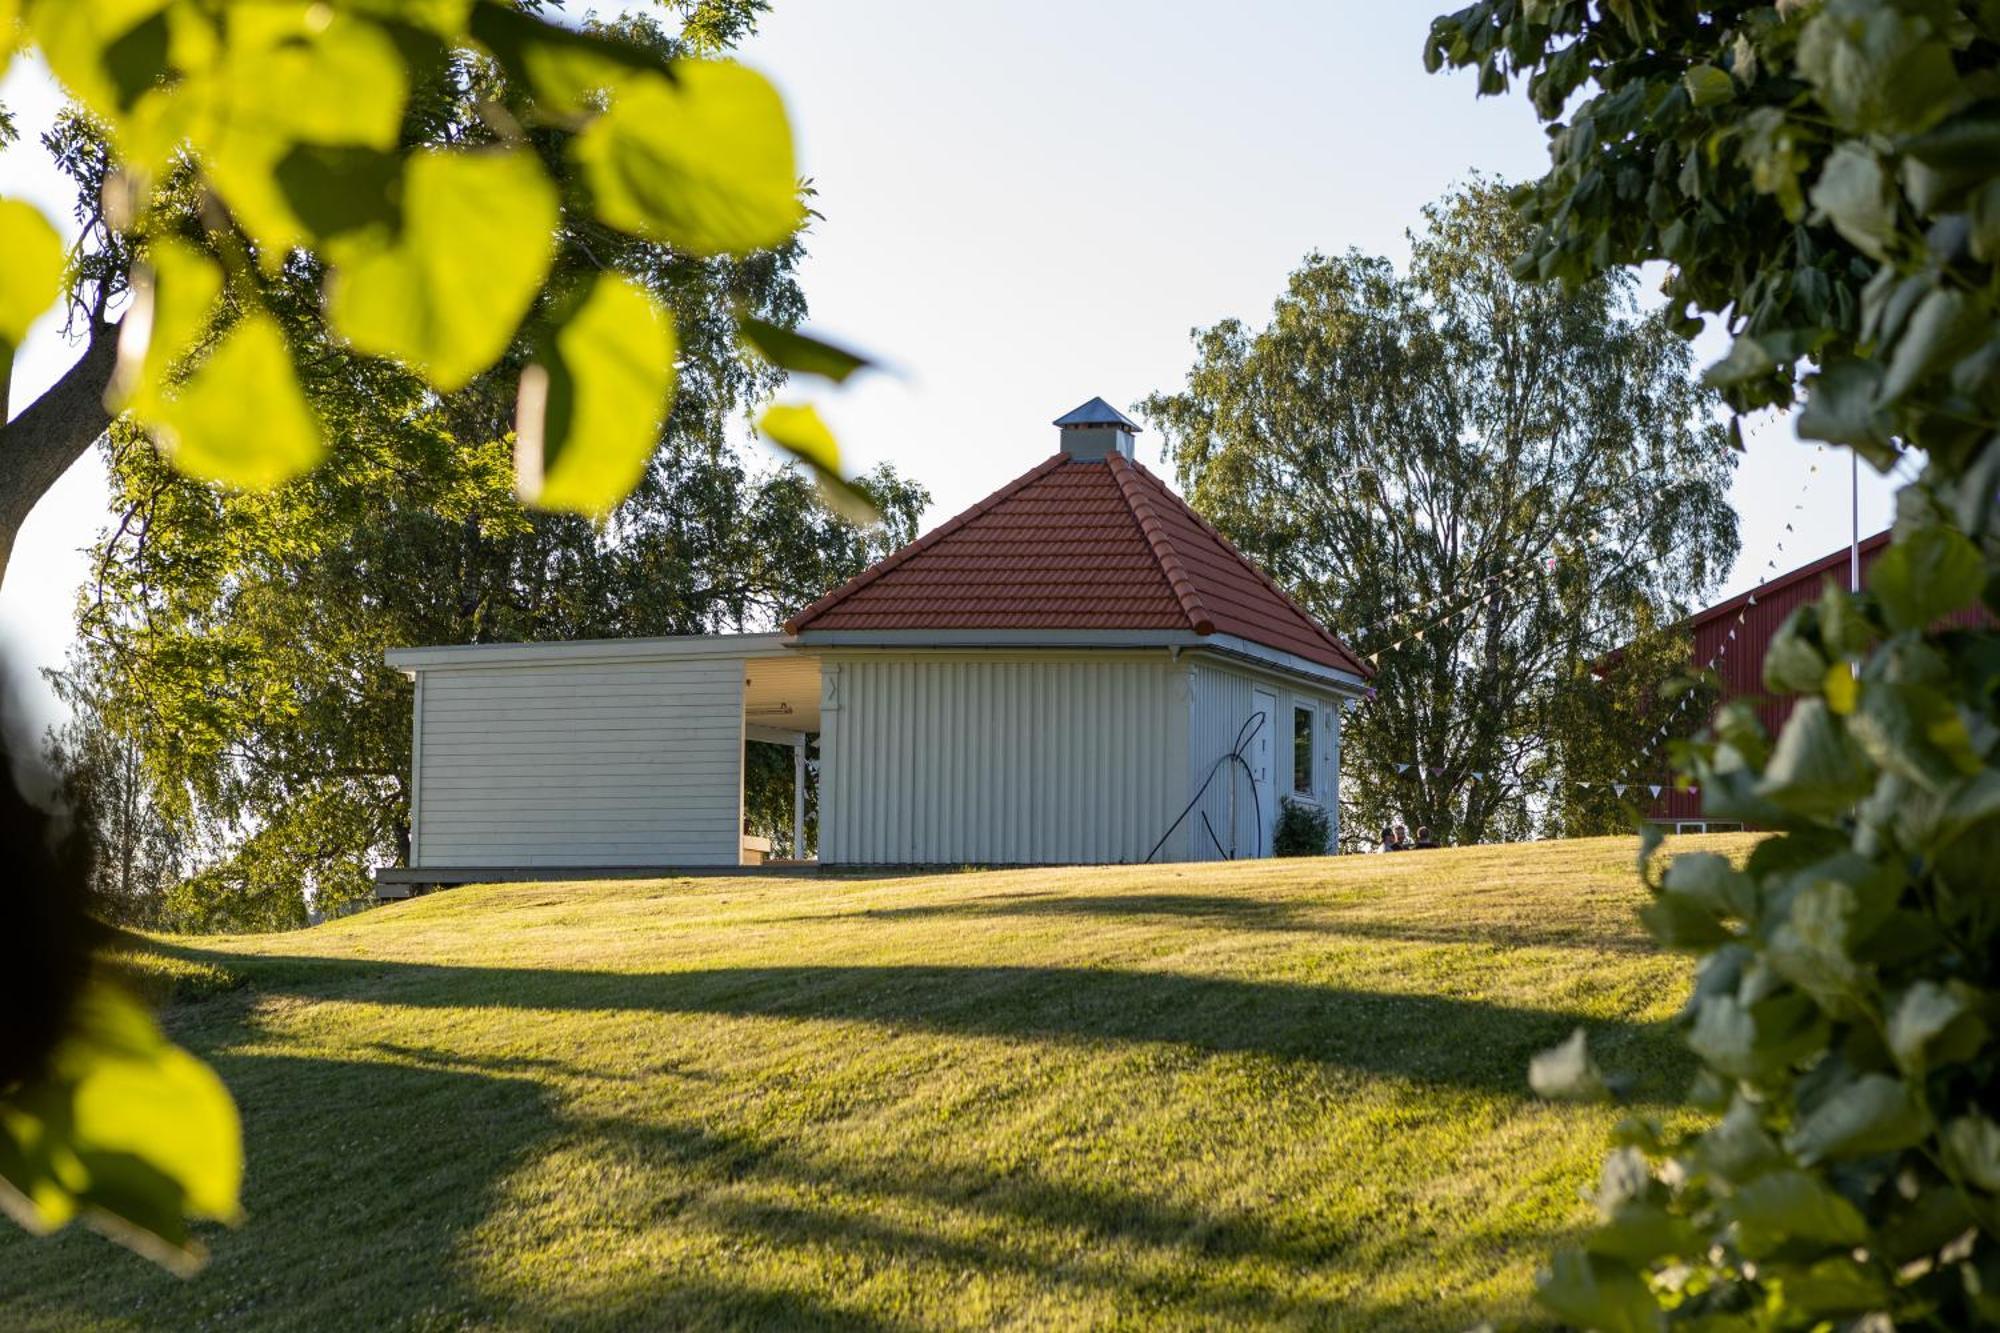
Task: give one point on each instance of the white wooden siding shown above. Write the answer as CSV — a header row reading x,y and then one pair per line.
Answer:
x,y
1221,696
998,759
594,764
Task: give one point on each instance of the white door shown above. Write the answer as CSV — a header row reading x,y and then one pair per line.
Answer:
x,y
1264,809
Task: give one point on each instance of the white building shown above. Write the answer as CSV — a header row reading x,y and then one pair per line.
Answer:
x,y
1076,669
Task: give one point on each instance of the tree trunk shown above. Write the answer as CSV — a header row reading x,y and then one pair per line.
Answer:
x,y
38,446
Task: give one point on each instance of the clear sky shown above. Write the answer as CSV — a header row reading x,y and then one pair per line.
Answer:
x,y
1030,203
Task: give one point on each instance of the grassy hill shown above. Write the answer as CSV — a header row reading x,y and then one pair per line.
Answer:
x,y
1284,1093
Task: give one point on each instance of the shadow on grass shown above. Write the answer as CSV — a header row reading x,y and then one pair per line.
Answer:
x,y
371,1179
1434,1039
1245,912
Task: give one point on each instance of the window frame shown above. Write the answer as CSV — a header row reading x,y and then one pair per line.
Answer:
x,y
1310,736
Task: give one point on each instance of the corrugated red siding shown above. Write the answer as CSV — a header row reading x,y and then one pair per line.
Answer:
x,y
1739,660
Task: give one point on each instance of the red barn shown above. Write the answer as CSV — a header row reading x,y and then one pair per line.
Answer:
x,y
1731,638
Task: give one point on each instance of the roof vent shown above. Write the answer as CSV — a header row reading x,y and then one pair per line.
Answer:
x,y
1095,431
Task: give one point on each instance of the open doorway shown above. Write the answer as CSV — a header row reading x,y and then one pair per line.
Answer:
x,y
781,724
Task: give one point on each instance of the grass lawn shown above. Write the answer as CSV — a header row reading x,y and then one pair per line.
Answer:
x,y
1279,1093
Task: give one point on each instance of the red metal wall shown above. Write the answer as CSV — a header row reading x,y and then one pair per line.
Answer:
x,y
1739,661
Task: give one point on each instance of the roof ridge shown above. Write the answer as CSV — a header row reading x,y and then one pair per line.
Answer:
x,y
901,555
1161,545
1312,621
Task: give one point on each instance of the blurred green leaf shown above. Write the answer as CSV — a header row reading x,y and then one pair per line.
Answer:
x,y
1567,1072
1710,879
295,77
448,293
1915,731
1931,1018
126,1128
1782,1207
703,162
1926,575
1793,660
31,278
176,291
1708,86
610,378
791,350
1873,1114
1853,194
1596,1292
241,418
1814,769
564,67
1973,1144
798,429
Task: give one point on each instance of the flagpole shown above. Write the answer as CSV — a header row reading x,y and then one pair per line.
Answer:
x,y
1854,516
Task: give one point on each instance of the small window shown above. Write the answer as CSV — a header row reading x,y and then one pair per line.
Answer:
x,y
1302,751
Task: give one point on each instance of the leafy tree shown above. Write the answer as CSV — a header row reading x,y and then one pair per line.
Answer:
x,y
269,159
257,147
1822,177
1482,480
139,853
240,636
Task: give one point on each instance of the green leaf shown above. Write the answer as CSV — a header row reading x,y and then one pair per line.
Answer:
x,y
293,77
1815,769
447,294
1747,360
1841,407
703,162
791,350
609,374
241,418
1876,69
1917,732
1793,662
1708,86
176,293
1708,878
1639,1233
1567,1072
1873,1114
31,278
1972,1143
1756,1041
1926,575
1596,1292
1853,193
565,68
1782,1207
128,1129
1930,1018
1945,323
798,429
1681,923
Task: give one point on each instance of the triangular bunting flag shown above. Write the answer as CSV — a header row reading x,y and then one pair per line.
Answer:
x,y
1402,769
1654,788
1753,599
1618,789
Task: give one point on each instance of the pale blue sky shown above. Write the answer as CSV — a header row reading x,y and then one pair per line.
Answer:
x,y
1033,202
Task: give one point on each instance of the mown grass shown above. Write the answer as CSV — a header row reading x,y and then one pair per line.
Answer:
x,y
1284,1094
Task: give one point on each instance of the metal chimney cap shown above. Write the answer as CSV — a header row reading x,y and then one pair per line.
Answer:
x,y
1096,412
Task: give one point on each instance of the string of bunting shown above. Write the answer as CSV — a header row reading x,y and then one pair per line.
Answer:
x,y
1671,721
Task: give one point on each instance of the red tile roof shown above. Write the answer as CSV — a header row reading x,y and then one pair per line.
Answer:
x,y
1077,544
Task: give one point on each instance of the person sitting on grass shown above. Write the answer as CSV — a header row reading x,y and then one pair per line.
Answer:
x,y
1425,842
1397,839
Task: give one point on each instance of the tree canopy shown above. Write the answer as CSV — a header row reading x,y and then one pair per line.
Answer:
x,y
1486,484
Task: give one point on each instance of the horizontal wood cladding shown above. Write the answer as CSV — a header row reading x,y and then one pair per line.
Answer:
x,y
593,764
994,759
